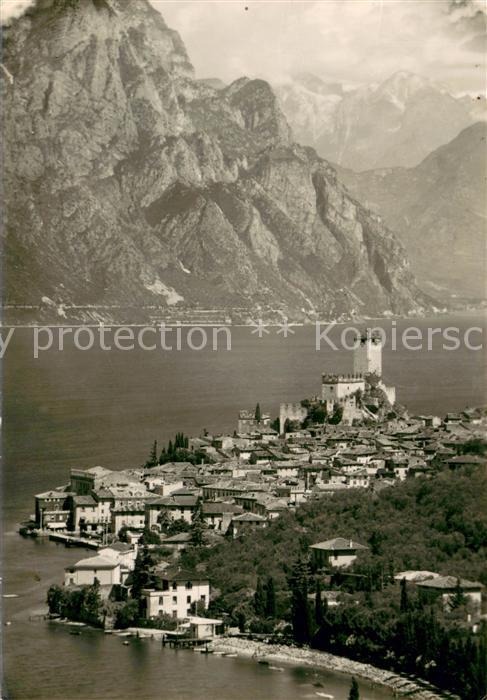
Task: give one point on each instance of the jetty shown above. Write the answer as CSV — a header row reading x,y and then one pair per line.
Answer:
x,y
178,640
72,541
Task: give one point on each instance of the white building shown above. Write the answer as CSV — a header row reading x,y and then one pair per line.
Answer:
x,y
162,486
179,590
124,554
106,570
203,627
85,513
131,515
338,553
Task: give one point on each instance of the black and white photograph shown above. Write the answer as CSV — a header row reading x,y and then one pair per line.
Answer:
x,y
243,373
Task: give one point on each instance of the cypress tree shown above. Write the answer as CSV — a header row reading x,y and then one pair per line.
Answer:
x,y
152,461
260,598
319,614
258,414
270,598
390,571
197,532
300,612
481,661
141,576
458,598
404,596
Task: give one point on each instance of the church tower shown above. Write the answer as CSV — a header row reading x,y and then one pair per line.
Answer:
x,y
367,356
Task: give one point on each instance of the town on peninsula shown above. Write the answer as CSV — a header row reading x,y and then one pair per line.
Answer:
x,y
344,533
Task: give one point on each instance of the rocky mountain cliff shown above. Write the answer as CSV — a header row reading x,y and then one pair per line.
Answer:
x,y
396,123
130,184
438,210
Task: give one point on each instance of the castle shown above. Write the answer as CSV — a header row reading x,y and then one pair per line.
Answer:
x,y
367,364
341,389
367,358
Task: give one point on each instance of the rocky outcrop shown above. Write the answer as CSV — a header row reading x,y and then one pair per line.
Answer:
x,y
131,184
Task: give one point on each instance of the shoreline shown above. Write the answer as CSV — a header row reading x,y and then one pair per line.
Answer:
x,y
271,654
434,313
263,652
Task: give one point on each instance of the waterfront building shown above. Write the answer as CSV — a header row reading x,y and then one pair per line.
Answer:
x,y
52,510
84,511
203,627
130,514
177,593
106,570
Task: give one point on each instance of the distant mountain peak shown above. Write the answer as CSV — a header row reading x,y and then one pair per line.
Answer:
x,y
407,84
394,123
318,85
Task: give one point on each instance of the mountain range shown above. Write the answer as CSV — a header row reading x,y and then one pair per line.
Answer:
x,y
130,184
395,123
438,211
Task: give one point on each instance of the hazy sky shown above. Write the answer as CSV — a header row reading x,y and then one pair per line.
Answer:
x,y
348,40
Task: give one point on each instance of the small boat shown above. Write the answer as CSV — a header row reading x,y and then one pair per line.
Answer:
x,y
10,595
276,668
76,632
8,623
126,643
263,662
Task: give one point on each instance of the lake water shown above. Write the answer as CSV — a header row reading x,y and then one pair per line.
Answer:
x,y
78,409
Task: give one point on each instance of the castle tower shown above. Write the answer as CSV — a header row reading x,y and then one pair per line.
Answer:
x,y
367,356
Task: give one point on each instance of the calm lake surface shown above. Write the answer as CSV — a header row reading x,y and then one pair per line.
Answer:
x,y
79,409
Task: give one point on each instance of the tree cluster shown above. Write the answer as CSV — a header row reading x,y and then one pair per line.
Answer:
x,y
80,604
175,451
437,524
